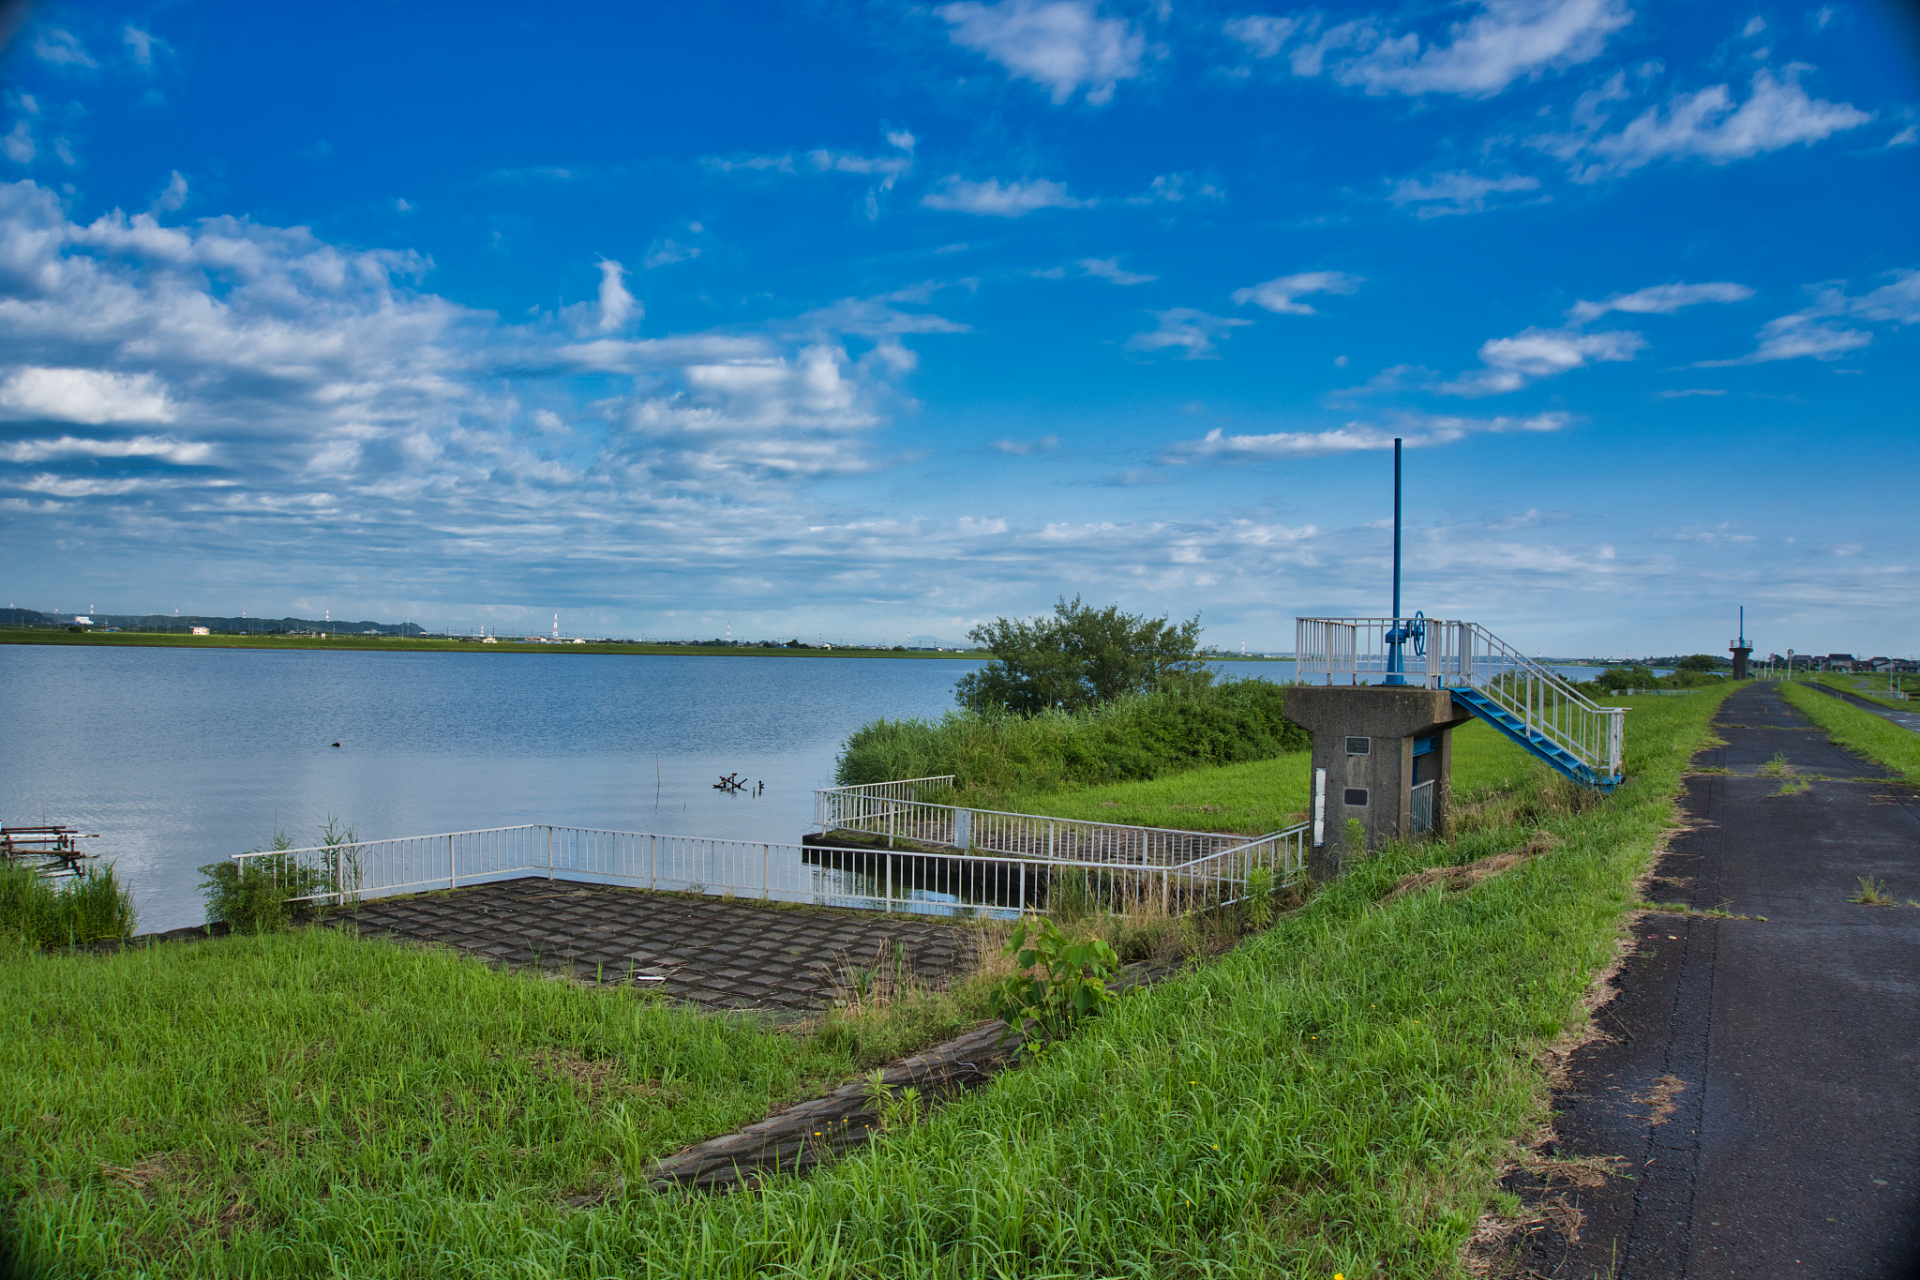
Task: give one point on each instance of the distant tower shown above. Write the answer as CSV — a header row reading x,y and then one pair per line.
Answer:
x,y
729,633
556,626
1740,648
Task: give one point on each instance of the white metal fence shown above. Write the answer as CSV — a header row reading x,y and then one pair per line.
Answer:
x,y
936,882
894,810
1445,654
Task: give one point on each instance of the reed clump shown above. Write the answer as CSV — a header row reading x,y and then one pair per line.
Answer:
x,y
86,907
1134,738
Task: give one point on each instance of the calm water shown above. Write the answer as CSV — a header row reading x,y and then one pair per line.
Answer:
x,y
179,756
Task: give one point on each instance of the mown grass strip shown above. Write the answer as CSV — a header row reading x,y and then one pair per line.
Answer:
x,y
1857,730
1334,1095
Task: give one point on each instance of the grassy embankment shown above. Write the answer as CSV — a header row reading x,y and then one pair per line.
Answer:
x,y
1334,1095
1872,688
1857,730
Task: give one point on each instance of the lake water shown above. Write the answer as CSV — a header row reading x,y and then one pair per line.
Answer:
x,y
179,757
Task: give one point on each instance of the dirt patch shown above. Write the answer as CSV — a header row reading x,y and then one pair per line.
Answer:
x,y
1456,879
1659,1099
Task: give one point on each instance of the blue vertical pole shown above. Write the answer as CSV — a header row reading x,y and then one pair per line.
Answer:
x,y
1394,634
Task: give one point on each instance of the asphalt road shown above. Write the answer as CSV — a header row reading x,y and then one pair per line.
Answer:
x,y
1905,719
1756,1098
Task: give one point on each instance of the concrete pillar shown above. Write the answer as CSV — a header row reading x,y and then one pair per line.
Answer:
x,y
1364,737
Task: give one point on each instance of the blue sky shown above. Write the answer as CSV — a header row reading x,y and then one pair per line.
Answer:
x,y
884,319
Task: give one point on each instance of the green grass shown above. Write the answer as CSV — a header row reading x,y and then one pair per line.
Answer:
x,y
1857,730
996,757
1265,795
1872,688
1337,1094
59,913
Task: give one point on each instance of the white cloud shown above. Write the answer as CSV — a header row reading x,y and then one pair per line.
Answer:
x,y
1171,188
141,44
1907,137
664,253
1688,392
19,145
1110,269
1026,448
83,395
1450,193
173,197
1661,300
617,306
1062,45
1278,295
1506,40
62,48
1528,356
1190,331
159,448
1825,331
991,198
1416,430
1706,125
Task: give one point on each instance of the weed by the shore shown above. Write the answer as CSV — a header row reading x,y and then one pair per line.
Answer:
x,y
85,907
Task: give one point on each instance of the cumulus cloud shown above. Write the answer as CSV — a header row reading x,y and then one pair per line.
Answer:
x,y
1417,431
1064,46
1186,330
18,144
1830,327
994,199
84,395
1110,269
1026,448
1505,41
141,45
305,385
1706,125
1175,188
62,48
1279,294
1661,300
1535,353
173,196
1450,193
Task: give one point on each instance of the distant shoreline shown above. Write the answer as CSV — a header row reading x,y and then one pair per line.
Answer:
x,y
410,644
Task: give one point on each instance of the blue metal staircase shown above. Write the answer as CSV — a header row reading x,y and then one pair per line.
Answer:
x,y
1530,704
1538,744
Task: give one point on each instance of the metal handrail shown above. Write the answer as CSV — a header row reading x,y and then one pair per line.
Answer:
x,y
1455,654
919,881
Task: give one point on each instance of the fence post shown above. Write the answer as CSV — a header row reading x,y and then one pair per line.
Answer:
x,y
766,872
453,871
549,853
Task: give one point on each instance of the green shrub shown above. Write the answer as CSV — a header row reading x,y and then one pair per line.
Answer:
x,y
49,913
1059,984
258,895
1135,738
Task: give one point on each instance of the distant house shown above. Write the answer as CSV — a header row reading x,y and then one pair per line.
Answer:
x,y
490,640
1837,662
203,631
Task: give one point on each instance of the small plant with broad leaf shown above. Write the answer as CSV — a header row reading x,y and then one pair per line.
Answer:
x,y
1260,897
1060,982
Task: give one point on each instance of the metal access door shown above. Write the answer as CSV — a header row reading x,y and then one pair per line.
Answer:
x,y
1420,821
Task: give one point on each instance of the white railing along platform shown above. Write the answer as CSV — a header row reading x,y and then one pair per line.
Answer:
x,y
948,882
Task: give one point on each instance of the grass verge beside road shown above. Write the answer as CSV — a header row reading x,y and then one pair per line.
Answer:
x,y
1857,730
1336,1094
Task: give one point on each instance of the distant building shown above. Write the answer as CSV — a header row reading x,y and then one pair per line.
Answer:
x,y
1837,662
203,631
490,640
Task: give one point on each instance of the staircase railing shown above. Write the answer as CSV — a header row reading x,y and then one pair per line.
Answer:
x,y
1554,718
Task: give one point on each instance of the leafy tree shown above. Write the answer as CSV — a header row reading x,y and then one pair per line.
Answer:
x,y
1079,658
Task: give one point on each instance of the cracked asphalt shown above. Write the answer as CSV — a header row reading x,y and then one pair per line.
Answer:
x,y
1756,1094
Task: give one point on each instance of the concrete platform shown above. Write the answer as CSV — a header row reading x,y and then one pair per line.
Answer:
x,y
715,952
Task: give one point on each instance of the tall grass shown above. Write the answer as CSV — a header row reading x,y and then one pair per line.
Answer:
x,y
1872,736
1336,1094
1134,738
56,913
